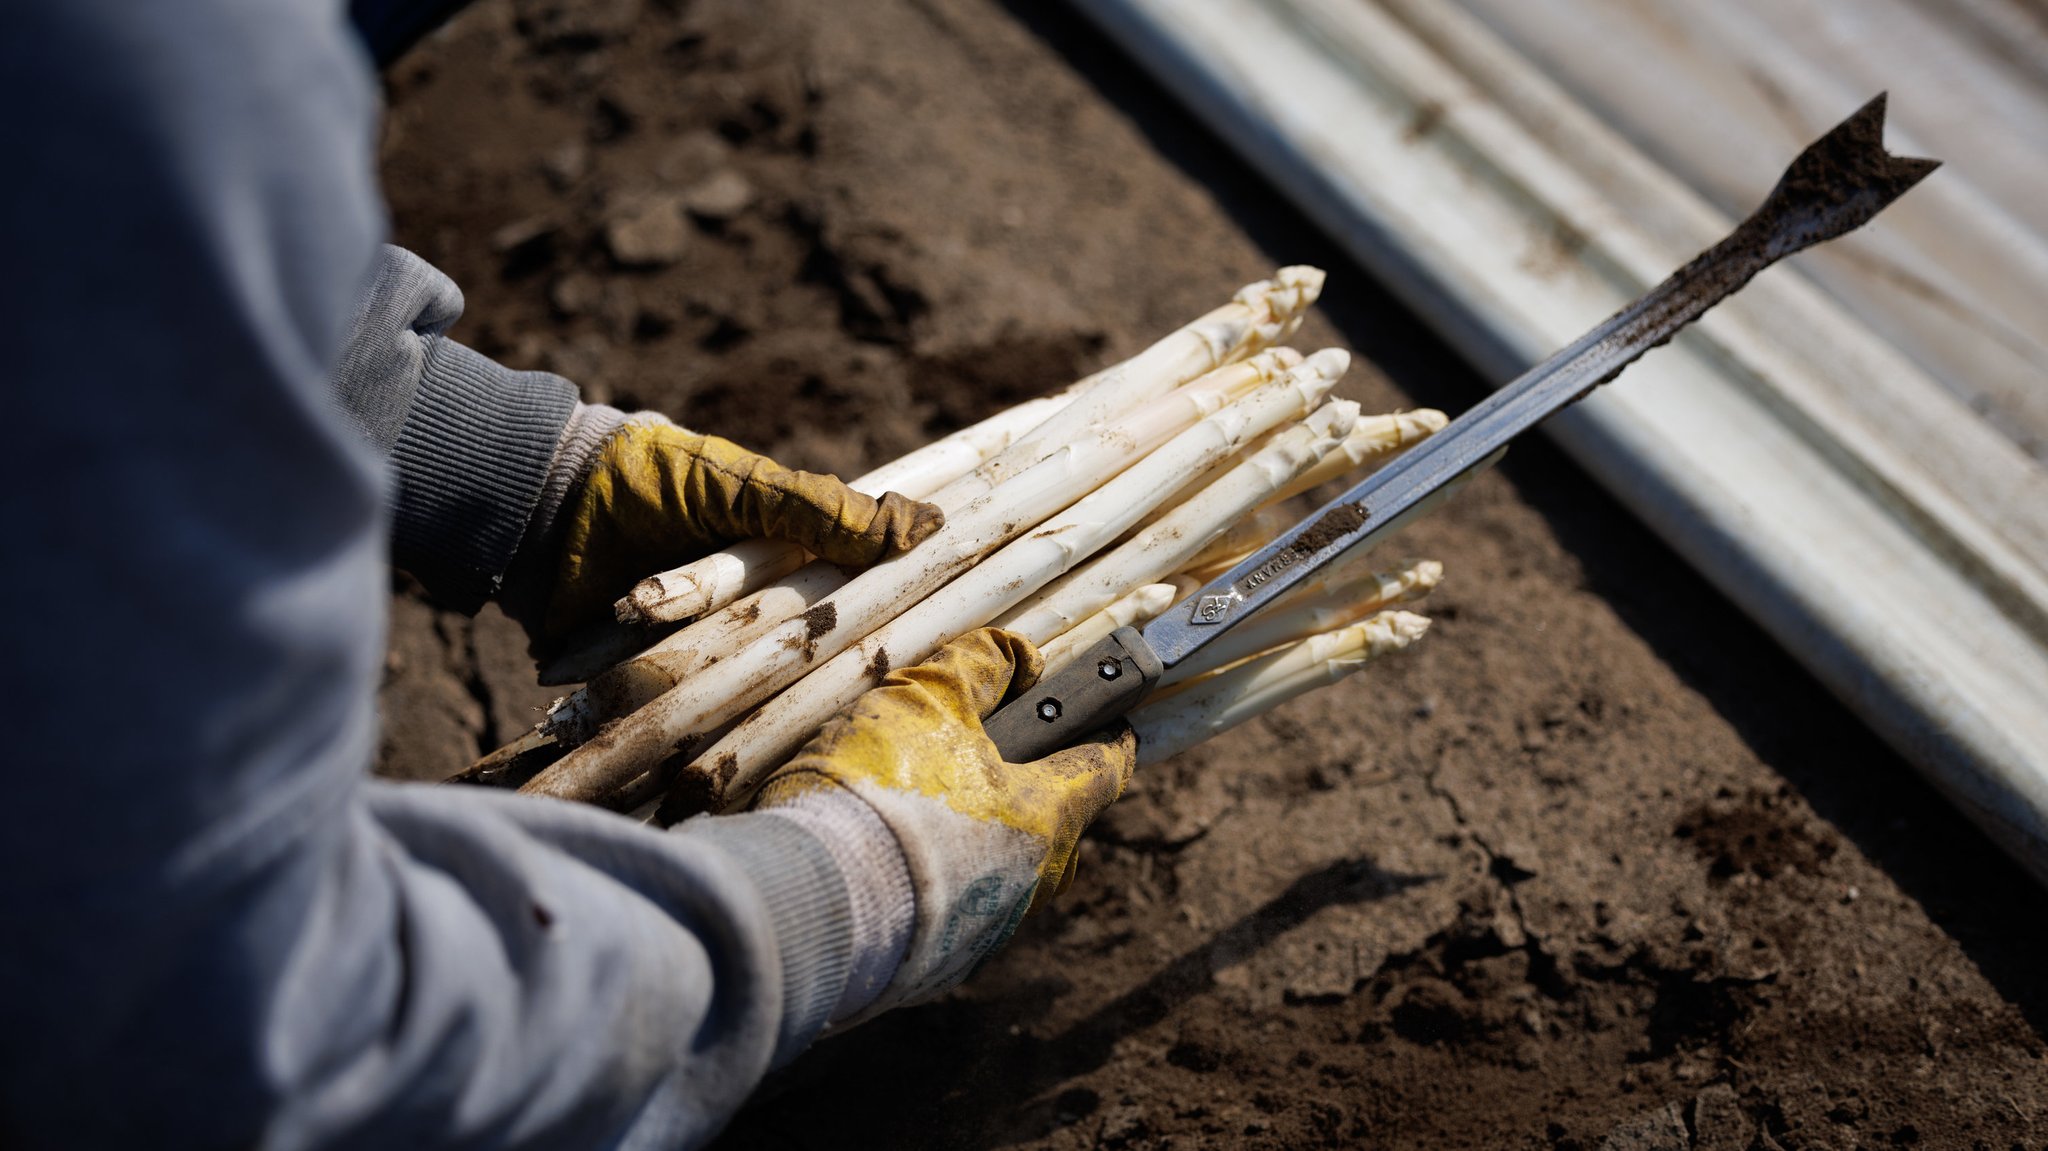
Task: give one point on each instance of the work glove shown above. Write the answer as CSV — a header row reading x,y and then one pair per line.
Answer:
x,y
985,841
657,496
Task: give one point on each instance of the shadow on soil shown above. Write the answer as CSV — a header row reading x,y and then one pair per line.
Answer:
x,y
1850,777
1088,1044
915,1057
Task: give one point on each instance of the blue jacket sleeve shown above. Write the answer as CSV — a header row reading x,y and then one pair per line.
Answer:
x,y
219,931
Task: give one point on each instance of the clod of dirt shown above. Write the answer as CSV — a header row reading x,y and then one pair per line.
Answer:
x,y
1431,1011
566,164
1660,1130
1718,1121
1756,833
523,234
1122,1126
1335,525
820,619
647,233
1194,1055
690,156
719,197
576,294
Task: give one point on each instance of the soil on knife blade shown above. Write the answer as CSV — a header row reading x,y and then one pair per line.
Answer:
x,y
1594,865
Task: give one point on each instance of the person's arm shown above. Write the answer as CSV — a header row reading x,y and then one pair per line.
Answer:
x,y
481,457
219,931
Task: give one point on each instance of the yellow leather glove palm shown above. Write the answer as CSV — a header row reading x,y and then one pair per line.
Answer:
x,y
658,496
985,840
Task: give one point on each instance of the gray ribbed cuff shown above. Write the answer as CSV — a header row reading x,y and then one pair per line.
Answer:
x,y
806,897
472,460
884,901
587,429
530,578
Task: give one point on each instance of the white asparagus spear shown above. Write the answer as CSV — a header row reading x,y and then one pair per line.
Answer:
x,y
738,762
1295,616
1138,607
1203,571
707,584
634,682
635,743
1248,534
1259,316
971,486
594,648
933,466
1374,440
1170,725
710,583
1172,541
1243,374
1244,329
723,576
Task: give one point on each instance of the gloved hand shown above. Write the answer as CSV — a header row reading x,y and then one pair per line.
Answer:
x,y
657,496
985,841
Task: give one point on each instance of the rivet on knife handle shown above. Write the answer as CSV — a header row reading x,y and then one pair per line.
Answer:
x,y
1100,685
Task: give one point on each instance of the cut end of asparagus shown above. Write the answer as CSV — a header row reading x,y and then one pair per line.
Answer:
x,y
512,764
669,598
631,608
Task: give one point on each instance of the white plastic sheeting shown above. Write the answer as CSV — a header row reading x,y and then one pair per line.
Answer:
x,y
1957,276
1849,447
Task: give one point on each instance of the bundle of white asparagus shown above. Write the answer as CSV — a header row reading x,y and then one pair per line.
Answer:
x,y
1067,517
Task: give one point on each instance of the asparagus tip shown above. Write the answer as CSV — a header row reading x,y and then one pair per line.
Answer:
x,y
1395,630
1301,285
1334,420
1331,362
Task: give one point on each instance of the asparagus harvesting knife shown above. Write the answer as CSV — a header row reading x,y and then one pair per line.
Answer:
x,y
1837,184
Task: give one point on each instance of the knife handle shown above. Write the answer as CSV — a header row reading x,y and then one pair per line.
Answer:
x,y
1100,685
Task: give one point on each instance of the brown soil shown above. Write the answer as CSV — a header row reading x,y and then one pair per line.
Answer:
x,y
1594,866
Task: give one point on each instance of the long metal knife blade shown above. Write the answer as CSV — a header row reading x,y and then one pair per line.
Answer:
x,y
1837,184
